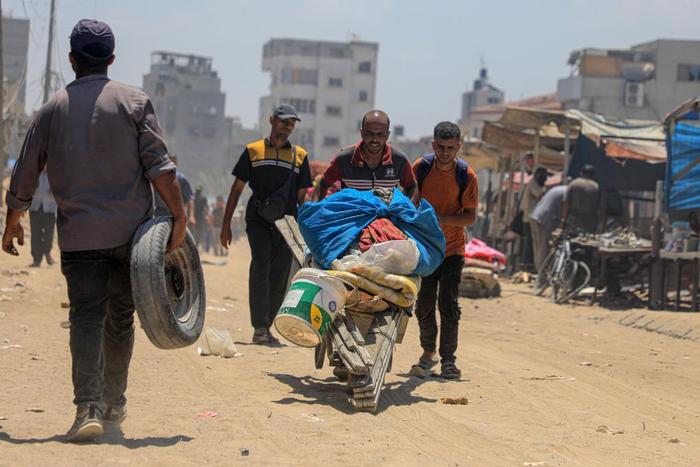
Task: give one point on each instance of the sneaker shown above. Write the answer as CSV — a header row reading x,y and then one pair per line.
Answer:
x,y
261,336
87,425
114,416
272,340
450,371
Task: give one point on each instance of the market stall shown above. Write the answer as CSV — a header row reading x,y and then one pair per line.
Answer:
x,y
681,192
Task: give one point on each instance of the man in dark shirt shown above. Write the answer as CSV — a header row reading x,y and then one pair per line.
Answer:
x,y
582,202
102,148
371,163
275,169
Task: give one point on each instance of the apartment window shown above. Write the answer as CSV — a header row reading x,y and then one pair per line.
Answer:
x,y
209,132
688,72
305,138
334,110
365,67
363,96
331,141
336,52
493,100
335,82
160,89
304,106
298,76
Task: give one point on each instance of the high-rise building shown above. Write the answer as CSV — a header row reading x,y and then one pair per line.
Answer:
x,y
331,84
482,93
186,93
15,45
645,81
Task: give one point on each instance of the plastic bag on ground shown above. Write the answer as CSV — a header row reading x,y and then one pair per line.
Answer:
x,y
394,257
218,342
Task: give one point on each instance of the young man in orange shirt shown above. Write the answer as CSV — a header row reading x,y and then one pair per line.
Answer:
x,y
451,187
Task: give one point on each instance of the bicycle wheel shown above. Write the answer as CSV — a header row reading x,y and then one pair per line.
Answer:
x,y
576,276
544,276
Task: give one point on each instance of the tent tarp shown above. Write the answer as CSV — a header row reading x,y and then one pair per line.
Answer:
x,y
614,173
683,173
641,140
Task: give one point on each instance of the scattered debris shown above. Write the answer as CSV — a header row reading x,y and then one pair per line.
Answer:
x,y
521,277
244,452
11,346
65,305
605,429
65,324
675,441
216,308
207,413
35,410
551,378
234,299
454,400
534,463
3,418
218,342
586,364
312,416
222,262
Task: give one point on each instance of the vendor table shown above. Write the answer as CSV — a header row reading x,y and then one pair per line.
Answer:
x,y
604,254
680,259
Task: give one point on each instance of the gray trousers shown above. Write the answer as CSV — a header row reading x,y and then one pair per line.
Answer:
x,y
541,236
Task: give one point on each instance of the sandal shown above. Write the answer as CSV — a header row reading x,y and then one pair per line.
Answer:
x,y
423,368
450,371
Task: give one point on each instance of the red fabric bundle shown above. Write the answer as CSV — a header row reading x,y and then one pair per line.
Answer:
x,y
379,231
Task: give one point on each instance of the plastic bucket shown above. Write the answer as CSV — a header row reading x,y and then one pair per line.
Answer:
x,y
312,301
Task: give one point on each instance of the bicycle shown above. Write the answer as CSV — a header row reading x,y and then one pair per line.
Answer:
x,y
565,275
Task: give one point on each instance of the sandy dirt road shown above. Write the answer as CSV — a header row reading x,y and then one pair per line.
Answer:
x,y
547,385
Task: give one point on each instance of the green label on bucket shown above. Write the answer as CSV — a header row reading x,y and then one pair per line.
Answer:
x,y
305,300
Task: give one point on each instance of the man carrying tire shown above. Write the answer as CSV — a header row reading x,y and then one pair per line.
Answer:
x,y
102,148
452,189
278,173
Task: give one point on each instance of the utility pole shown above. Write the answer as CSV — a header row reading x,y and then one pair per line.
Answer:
x,y
3,156
47,72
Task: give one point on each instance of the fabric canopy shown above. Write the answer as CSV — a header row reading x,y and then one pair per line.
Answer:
x,y
615,173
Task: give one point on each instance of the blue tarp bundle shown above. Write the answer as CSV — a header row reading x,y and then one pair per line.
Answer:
x,y
683,149
330,226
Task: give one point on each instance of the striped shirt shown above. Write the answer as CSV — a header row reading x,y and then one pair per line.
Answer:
x,y
352,171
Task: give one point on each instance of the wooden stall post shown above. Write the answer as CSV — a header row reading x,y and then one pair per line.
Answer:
x,y
656,273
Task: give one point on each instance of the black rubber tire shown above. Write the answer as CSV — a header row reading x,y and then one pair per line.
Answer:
x,y
168,289
542,280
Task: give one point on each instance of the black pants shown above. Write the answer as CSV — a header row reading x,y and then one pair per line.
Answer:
x,y
269,271
442,285
102,323
527,255
42,226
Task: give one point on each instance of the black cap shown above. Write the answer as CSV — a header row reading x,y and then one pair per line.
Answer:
x,y
286,111
94,35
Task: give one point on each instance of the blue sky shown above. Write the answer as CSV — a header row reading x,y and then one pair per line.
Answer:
x,y
429,52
